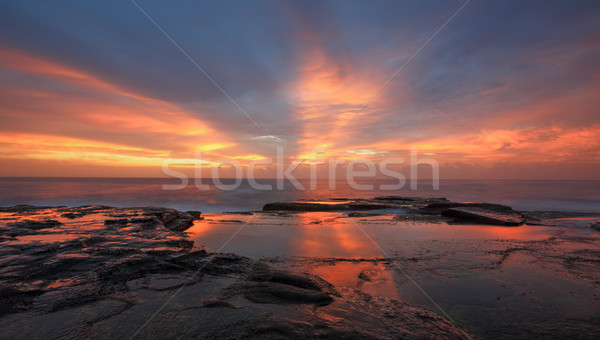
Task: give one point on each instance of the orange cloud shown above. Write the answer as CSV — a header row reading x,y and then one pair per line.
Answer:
x,y
327,94
58,113
80,117
518,145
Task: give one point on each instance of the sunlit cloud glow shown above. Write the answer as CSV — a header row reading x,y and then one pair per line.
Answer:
x,y
79,98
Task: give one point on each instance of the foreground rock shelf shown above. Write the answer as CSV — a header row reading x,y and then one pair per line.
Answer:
x,y
102,272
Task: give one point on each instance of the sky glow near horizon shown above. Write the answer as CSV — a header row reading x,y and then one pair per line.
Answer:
x,y
506,90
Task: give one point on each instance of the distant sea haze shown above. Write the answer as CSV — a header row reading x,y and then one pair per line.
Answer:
x,y
561,195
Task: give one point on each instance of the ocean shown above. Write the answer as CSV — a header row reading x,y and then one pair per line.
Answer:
x,y
561,195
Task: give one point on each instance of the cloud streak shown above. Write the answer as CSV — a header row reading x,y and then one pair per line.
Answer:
x,y
95,84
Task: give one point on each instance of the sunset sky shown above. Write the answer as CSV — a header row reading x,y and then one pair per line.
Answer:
x,y
503,89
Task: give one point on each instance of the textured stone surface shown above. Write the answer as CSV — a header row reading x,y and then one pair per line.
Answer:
x,y
101,272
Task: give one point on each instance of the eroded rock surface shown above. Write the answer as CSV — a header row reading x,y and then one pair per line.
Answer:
x,y
484,216
55,258
102,272
419,209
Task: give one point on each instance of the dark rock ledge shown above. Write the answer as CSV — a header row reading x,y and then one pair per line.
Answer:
x,y
425,210
411,208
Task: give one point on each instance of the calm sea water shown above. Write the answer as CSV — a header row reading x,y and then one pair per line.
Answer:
x,y
127,192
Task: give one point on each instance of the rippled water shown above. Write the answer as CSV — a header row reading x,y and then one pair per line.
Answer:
x,y
126,192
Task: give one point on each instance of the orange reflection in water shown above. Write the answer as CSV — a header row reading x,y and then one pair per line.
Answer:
x,y
324,235
525,232
377,279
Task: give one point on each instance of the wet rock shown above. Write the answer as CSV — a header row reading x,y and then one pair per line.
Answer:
x,y
161,282
81,295
216,303
195,214
181,223
119,215
93,207
190,257
120,221
13,300
280,328
154,217
21,208
363,214
364,276
352,314
420,218
315,206
150,222
411,200
187,244
90,241
72,216
418,205
111,251
36,225
595,226
264,273
84,262
438,207
14,231
484,216
165,215
127,268
223,264
396,198
541,215
171,218
51,267
277,293
269,285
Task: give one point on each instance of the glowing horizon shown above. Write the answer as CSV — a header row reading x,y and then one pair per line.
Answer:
x,y
80,98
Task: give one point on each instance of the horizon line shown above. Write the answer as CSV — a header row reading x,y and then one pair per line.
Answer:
x,y
299,178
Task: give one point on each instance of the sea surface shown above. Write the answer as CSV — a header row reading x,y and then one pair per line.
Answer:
x,y
561,195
